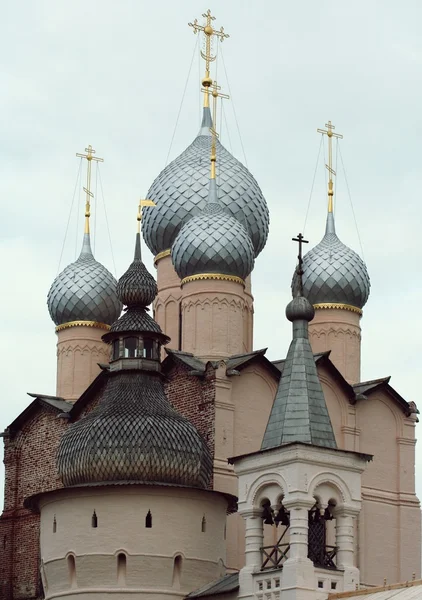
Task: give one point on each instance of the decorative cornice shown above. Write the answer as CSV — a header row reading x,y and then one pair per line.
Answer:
x,y
219,276
82,324
354,309
161,255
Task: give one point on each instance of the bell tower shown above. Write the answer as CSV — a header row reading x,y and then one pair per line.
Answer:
x,y
299,484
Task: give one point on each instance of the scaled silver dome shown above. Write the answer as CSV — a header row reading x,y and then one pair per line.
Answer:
x,y
134,435
213,242
180,192
334,273
84,291
136,286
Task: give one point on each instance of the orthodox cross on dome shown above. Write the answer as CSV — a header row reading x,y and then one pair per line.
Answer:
x,y
329,132
300,239
215,95
89,157
209,32
143,202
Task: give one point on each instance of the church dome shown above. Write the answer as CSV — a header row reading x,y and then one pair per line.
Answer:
x,y
213,242
84,291
333,273
134,434
180,192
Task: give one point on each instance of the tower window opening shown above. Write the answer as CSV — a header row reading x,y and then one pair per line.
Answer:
x,y
148,520
148,348
131,347
54,524
4,541
203,524
177,571
116,349
71,565
94,520
121,568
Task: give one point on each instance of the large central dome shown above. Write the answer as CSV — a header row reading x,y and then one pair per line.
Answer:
x,y
180,192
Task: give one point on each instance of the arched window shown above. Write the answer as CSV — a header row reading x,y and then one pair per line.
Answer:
x,y
131,347
71,566
116,349
177,571
148,520
319,551
121,568
94,520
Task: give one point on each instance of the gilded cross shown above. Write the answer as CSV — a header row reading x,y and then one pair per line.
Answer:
x,y
329,132
89,157
209,32
142,203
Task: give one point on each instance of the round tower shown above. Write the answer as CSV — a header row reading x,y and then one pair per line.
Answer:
x,y
180,193
82,302
336,282
136,515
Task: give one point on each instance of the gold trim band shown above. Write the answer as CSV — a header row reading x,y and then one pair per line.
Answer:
x,y
219,276
354,309
161,255
82,324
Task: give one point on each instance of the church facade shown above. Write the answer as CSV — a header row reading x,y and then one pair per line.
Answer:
x,y
176,460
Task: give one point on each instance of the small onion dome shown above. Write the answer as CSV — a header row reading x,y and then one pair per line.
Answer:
x,y
300,309
213,242
333,273
180,193
84,291
137,286
134,435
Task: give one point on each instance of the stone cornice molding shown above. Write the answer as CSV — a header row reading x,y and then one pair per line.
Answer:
x,y
402,441
217,276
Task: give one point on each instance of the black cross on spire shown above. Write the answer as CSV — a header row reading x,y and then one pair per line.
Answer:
x,y
299,269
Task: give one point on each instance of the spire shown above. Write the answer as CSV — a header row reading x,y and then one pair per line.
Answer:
x,y
89,157
210,33
299,412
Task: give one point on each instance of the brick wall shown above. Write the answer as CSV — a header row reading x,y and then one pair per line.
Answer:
x,y
194,398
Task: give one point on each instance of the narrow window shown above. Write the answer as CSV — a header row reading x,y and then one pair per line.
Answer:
x,y
225,531
148,346
148,520
333,585
131,347
4,541
54,524
177,571
204,524
320,584
121,568
116,345
94,519
72,570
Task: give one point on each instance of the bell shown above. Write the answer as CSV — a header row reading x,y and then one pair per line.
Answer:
x,y
282,517
327,514
267,514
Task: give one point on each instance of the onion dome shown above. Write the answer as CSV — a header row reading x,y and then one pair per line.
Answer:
x,y
84,291
180,192
213,243
333,273
134,435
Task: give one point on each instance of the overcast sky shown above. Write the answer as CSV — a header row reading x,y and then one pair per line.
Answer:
x,y
112,74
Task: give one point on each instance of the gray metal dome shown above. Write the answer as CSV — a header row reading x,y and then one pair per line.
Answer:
x,y
84,291
180,192
137,286
134,435
213,242
333,273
